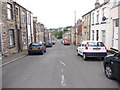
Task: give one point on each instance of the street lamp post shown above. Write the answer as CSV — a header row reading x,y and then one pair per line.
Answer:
x,y
75,27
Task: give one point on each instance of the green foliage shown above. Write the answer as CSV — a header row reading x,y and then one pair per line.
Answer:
x,y
59,34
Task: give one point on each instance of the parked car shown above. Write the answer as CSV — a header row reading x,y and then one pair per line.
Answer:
x,y
36,48
48,44
54,42
112,66
62,41
92,49
66,42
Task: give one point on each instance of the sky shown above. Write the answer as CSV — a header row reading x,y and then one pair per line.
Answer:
x,y
58,13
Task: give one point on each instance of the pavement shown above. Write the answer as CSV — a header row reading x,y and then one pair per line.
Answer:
x,y
13,57
59,67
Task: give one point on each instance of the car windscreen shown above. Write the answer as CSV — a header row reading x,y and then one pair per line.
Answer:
x,y
95,44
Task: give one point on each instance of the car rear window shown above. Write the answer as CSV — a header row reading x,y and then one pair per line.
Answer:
x,y
35,44
95,44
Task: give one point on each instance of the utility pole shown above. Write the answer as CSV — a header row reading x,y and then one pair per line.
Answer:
x,y
75,26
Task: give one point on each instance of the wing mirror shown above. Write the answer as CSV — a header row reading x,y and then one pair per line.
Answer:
x,y
119,54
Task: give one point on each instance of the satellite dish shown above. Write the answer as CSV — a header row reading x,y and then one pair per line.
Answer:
x,y
104,18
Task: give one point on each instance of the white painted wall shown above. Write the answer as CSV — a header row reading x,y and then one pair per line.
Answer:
x,y
101,27
114,31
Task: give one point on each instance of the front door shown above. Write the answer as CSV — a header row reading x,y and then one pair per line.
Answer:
x,y
115,35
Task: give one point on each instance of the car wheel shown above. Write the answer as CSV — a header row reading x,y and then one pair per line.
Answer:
x,y
44,50
102,58
77,53
42,53
84,57
108,71
29,53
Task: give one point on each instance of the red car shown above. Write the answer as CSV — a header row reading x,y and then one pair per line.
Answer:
x,y
66,42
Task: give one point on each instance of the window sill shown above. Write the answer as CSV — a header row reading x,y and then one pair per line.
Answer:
x,y
97,23
12,46
103,22
10,19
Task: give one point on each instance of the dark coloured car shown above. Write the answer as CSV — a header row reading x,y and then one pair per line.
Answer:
x,y
36,48
112,66
62,41
53,42
48,44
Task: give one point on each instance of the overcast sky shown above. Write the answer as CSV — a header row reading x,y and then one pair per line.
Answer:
x,y
58,13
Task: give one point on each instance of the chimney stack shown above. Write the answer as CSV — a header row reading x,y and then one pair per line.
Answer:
x,y
97,4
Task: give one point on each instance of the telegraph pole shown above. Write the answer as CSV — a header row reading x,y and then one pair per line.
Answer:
x,y
75,26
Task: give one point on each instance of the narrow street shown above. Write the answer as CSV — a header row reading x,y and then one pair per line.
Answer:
x,y
59,67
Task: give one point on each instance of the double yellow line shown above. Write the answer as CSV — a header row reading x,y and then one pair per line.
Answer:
x,y
1,65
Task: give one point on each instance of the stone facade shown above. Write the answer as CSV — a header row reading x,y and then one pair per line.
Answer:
x,y
8,24
86,27
79,36
14,27
39,33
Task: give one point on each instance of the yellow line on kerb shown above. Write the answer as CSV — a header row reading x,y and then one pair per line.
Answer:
x,y
12,61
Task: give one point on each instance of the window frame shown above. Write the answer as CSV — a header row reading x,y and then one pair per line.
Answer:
x,y
12,44
9,11
97,16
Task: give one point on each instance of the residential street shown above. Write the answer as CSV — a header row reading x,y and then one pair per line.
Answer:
x,y
59,67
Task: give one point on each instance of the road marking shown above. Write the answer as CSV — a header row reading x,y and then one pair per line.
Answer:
x,y
62,63
12,61
63,81
62,70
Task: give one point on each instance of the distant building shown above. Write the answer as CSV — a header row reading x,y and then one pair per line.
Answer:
x,y
34,28
79,30
39,32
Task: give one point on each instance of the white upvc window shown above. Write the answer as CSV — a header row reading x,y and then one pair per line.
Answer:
x,y
88,20
104,12
23,17
93,34
97,17
28,18
9,11
116,22
92,18
11,37
103,36
117,2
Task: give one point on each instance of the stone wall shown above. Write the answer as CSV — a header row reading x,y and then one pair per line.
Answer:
x,y
8,24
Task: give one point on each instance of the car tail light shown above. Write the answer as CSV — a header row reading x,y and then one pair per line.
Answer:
x,y
41,48
86,46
